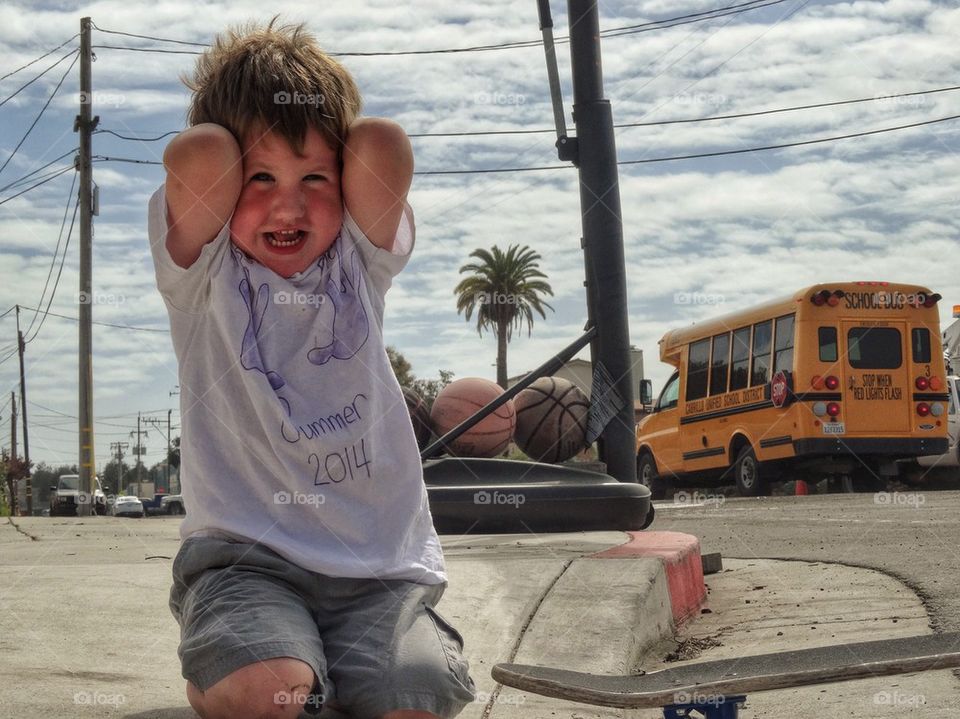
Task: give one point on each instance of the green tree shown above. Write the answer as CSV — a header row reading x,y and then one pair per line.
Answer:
x,y
504,289
401,368
428,389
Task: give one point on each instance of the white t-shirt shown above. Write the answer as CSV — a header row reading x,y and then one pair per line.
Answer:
x,y
295,433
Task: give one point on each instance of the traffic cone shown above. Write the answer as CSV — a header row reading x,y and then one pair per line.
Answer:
x,y
800,488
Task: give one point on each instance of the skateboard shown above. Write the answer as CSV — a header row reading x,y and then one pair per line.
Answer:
x,y
716,689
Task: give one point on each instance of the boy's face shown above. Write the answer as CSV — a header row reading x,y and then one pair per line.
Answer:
x,y
290,210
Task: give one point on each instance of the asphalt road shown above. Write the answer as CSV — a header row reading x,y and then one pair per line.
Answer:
x,y
910,535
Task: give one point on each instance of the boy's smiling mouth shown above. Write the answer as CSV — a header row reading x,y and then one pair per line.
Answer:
x,y
285,239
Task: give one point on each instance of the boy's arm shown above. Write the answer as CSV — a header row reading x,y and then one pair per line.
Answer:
x,y
204,178
377,170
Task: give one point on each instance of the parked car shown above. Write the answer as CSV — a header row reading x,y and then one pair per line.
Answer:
x,y
172,504
127,506
66,497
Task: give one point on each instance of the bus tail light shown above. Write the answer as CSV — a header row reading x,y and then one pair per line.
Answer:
x,y
935,384
826,297
923,409
922,383
816,382
936,409
831,382
833,409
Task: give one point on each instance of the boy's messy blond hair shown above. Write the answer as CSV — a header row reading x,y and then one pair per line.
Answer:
x,y
277,78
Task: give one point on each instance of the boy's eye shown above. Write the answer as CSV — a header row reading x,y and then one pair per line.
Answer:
x,y
261,177
315,177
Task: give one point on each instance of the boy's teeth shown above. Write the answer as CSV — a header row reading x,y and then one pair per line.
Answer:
x,y
284,238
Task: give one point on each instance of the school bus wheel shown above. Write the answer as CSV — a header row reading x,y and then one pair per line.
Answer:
x,y
647,476
747,473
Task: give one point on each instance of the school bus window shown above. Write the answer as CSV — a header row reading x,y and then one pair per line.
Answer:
x,y
760,373
828,343
874,348
740,359
698,369
783,344
668,398
921,344
719,364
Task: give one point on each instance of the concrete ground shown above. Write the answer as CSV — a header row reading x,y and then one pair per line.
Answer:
x,y
85,630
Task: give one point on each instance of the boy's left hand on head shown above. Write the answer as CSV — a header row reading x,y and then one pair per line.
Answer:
x,y
376,176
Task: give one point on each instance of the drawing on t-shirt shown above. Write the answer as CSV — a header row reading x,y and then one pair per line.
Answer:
x,y
250,357
350,327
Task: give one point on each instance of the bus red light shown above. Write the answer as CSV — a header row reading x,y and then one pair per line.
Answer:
x,y
923,409
816,382
922,383
935,383
831,382
833,409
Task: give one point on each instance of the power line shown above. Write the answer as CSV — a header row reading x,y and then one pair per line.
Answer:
x,y
138,139
34,172
40,114
666,23
28,84
49,52
102,324
42,182
56,284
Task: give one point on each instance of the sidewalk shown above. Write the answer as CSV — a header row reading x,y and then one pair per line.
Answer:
x,y
563,599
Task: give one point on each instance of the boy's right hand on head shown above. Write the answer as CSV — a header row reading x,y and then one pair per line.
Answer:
x,y
204,177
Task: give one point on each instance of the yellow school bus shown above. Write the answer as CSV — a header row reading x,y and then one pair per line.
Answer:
x,y
834,381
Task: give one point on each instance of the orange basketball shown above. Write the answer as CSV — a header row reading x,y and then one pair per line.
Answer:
x,y
460,400
552,418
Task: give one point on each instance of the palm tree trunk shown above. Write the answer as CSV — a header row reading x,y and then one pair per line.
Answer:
x,y
502,354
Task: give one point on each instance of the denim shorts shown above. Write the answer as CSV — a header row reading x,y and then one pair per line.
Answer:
x,y
374,646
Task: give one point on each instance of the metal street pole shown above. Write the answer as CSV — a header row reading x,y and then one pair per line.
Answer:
x,y
612,417
85,124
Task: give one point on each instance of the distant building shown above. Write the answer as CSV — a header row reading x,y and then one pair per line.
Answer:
x,y
580,372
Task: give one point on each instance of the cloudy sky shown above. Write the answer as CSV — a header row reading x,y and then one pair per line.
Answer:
x,y
702,236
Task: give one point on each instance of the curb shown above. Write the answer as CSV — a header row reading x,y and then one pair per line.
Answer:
x,y
680,555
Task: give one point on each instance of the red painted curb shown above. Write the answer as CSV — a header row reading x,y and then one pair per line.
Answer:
x,y
680,554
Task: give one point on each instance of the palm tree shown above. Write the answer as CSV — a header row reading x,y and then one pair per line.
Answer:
x,y
504,289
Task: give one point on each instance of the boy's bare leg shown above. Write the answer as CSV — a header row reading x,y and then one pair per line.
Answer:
x,y
253,691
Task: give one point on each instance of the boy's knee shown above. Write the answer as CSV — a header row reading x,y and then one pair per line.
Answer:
x,y
271,689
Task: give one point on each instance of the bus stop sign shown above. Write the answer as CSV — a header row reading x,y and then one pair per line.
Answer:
x,y
780,389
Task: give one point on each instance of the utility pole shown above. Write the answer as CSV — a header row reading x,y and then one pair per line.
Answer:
x,y
85,125
156,423
12,483
611,411
138,453
118,448
23,404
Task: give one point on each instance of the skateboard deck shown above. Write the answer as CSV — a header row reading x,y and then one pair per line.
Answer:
x,y
717,681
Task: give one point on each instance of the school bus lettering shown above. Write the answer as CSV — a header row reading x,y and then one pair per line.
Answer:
x,y
883,300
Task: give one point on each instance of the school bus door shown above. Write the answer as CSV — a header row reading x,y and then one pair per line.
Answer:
x,y
876,385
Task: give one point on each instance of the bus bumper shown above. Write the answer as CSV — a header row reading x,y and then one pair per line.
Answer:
x,y
872,447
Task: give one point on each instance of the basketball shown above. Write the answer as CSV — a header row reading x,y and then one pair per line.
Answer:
x,y
463,398
419,417
551,419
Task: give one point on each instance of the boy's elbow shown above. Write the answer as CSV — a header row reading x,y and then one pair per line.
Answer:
x,y
383,146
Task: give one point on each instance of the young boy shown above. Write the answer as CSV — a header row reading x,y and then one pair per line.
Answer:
x,y
309,568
